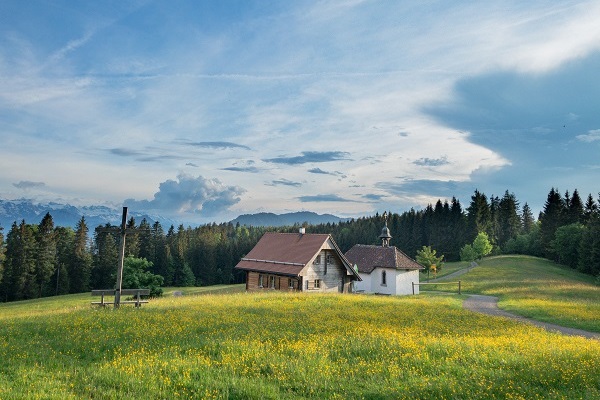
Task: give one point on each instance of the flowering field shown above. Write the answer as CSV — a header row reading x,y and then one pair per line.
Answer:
x,y
288,346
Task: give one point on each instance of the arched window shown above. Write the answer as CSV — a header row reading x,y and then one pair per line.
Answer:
x,y
383,278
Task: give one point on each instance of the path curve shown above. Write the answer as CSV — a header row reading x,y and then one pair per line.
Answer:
x,y
489,305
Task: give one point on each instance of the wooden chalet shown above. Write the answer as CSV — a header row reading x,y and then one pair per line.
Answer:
x,y
298,262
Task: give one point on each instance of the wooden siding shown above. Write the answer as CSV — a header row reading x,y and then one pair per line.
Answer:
x,y
330,272
270,282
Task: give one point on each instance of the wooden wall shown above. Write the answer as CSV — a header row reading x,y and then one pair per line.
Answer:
x,y
330,272
279,282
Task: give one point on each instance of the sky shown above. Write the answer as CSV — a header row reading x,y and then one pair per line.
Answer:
x,y
204,110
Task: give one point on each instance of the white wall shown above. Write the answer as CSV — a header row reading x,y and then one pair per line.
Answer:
x,y
404,281
398,282
364,285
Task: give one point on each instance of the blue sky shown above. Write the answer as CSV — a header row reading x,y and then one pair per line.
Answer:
x,y
203,110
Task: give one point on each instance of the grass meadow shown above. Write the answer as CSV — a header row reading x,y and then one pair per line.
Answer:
x,y
535,288
286,346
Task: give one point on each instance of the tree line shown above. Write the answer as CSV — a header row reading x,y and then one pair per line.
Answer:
x,y
44,260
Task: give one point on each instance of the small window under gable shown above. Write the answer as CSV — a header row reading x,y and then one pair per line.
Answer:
x,y
317,260
383,278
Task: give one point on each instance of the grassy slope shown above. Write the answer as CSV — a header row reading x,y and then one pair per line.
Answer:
x,y
286,346
539,289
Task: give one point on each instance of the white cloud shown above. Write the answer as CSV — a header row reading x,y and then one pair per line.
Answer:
x,y
589,137
189,195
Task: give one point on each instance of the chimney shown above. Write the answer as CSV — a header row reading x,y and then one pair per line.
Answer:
x,y
302,231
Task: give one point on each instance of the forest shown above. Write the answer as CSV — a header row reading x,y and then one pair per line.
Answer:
x,y
46,260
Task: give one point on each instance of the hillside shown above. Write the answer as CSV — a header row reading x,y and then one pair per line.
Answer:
x,y
274,345
537,288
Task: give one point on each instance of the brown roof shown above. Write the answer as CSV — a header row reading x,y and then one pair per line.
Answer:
x,y
287,253
367,258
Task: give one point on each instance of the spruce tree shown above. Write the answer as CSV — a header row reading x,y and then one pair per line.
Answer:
x,y
575,211
45,256
527,220
20,264
64,255
457,227
509,223
80,268
551,218
478,216
2,256
105,261
160,257
132,244
590,208
146,245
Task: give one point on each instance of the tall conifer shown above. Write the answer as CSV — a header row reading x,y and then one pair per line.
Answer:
x,y
80,270
509,223
527,219
551,218
45,256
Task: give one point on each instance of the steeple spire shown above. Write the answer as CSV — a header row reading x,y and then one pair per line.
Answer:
x,y
385,232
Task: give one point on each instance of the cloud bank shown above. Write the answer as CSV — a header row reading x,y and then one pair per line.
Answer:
x,y
189,195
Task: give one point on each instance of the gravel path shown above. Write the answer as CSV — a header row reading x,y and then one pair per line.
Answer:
x,y
489,305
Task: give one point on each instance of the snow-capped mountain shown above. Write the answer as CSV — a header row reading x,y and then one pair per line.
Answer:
x,y
68,215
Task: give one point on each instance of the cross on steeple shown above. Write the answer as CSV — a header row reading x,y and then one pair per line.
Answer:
x,y
385,232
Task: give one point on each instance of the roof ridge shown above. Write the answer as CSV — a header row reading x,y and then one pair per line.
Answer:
x,y
297,233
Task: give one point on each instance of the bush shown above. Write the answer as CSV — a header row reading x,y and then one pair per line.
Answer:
x,y
136,275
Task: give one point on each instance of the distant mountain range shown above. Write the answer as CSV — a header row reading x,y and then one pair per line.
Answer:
x,y
68,215
270,219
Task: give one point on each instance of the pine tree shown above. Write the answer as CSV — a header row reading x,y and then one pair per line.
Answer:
x,y
20,264
589,247
509,222
160,257
2,255
105,260
45,256
458,227
590,208
574,210
146,244
494,231
478,216
64,253
527,220
80,267
551,218
132,244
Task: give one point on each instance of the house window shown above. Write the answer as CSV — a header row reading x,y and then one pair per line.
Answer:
x,y
330,259
317,283
317,260
272,282
261,280
290,283
383,278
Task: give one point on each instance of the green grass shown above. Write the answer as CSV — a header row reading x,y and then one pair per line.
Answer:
x,y
538,289
291,346
447,269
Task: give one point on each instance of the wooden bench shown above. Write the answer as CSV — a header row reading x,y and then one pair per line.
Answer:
x,y
124,292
